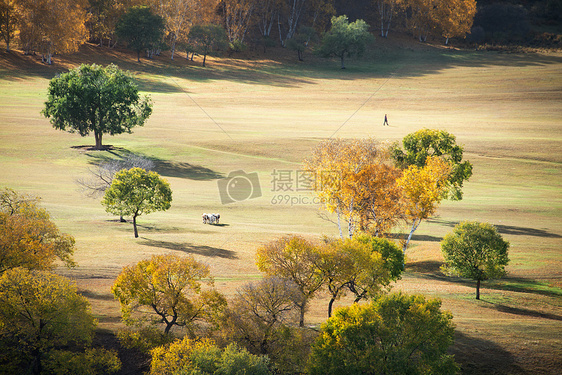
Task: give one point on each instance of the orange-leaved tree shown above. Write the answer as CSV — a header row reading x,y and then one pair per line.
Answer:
x,y
356,181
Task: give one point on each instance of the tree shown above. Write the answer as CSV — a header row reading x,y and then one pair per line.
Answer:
x,y
170,287
101,175
8,21
136,192
301,40
261,318
386,9
204,357
140,28
475,250
455,17
355,181
51,26
28,237
394,334
94,99
39,312
208,37
293,258
424,143
237,16
345,39
363,265
423,189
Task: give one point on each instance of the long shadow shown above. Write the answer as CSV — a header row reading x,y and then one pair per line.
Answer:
x,y
431,270
207,251
520,311
165,168
507,229
185,170
273,68
477,356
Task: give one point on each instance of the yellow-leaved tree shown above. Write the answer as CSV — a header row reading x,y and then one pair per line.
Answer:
x,y
51,26
355,180
423,189
167,289
293,258
28,236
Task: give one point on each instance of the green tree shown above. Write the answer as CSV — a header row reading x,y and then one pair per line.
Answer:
x,y
202,357
424,143
475,250
345,39
135,192
28,237
170,287
300,41
394,334
39,312
140,28
208,37
293,258
94,99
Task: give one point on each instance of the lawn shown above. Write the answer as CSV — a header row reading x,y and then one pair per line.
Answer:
x,y
264,115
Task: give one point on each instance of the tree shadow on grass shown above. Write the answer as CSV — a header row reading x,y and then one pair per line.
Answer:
x,y
163,167
426,267
207,251
431,270
507,229
519,311
185,170
478,356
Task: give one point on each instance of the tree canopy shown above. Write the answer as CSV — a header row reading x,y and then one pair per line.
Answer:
x,y
293,258
475,250
141,28
39,312
394,334
94,99
423,189
170,287
345,39
207,37
136,192
204,357
425,143
28,236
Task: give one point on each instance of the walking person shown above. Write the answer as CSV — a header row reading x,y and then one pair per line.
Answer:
x,y
385,121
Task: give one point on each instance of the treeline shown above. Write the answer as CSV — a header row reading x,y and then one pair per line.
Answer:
x,y
49,26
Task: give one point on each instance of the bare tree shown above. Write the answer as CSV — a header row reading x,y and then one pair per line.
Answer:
x,y
101,175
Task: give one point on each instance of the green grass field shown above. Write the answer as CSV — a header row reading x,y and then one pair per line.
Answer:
x,y
265,115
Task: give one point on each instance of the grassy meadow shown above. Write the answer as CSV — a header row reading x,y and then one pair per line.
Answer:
x,y
264,115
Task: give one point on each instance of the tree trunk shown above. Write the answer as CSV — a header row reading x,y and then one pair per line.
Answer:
x,y
97,137
342,62
204,56
330,305
415,225
478,289
135,226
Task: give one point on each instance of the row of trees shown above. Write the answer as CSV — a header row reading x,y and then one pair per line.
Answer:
x,y
48,26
